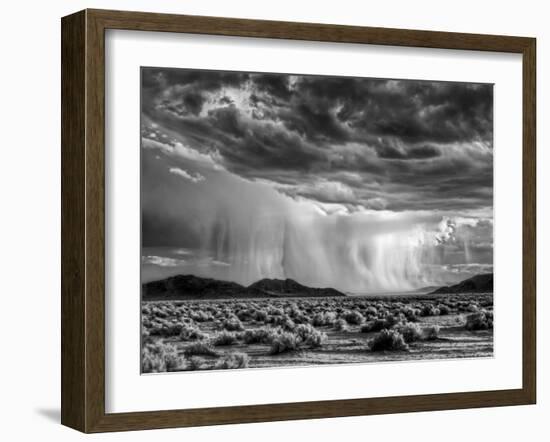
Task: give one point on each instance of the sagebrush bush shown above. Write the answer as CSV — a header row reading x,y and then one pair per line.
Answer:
x,y
260,315
232,361
371,311
410,314
379,324
390,340
431,333
195,363
192,333
201,316
262,335
283,321
284,342
479,321
233,324
340,325
429,310
393,319
224,338
353,317
157,357
158,312
200,348
243,315
165,329
411,332
323,318
310,336
275,311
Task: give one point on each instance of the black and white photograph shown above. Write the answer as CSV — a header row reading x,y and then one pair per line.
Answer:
x,y
295,220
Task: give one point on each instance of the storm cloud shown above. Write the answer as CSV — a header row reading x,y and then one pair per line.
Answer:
x,y
350,151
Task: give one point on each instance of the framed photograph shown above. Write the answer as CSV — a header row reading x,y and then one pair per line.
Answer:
x,y
267,221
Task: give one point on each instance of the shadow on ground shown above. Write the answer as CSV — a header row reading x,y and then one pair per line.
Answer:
x,y
51,414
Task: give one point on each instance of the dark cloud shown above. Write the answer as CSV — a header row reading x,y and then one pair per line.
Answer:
x,y
425,144
275,85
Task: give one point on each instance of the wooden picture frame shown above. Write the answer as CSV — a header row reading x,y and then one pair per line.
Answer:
x,y
83,220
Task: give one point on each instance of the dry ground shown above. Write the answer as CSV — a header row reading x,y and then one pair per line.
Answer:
x,y
194,335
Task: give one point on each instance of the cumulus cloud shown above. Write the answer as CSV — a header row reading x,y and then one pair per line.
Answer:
x,y
197,178
208,160
162,261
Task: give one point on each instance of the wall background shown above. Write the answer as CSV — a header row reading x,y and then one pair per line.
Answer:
x,y
30,221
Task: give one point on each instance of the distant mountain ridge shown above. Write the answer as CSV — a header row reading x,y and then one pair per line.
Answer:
x,y
476,284
181,287
292,288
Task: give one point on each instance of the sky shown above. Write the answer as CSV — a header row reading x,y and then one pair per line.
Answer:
x,y
364,185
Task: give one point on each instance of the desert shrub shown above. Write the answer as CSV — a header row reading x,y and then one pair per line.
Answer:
x,y
260,315
374,326
479,321
233,324
323,318
166,329
284,342
392,319
429,310
410,314
371,311
224,338
310,336
411,332
200,348
431,333
353,317
443,309
316,339
304,330
288,324
191,333
472,307
380,324
201,316
262,335
300,318
232,361
388,340
195,363
284,321
340,325
294,311
275,311
159,357
159,313
243,315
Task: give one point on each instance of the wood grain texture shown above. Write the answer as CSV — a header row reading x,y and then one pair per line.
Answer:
x,y
529,221
83,220
73,254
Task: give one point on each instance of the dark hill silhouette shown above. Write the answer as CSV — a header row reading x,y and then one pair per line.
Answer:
x,y
289,287
183,287
476,284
